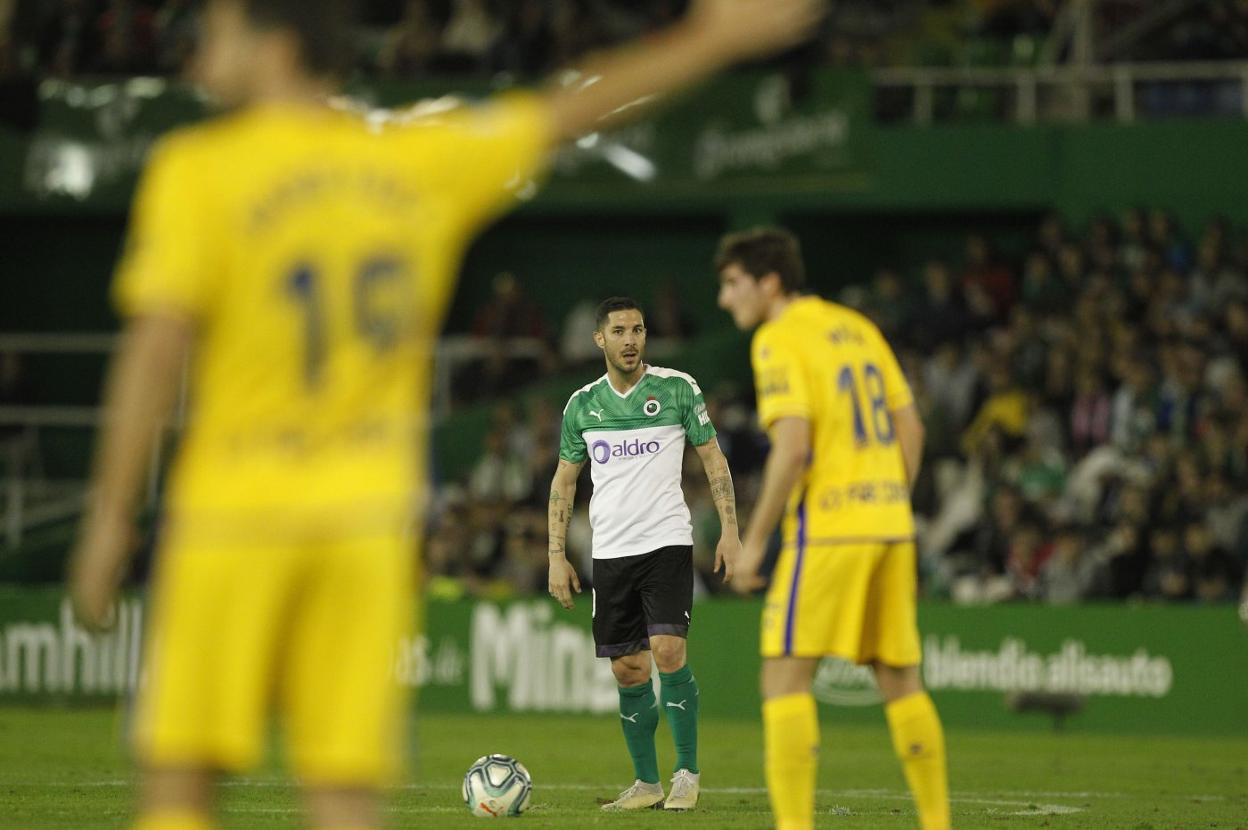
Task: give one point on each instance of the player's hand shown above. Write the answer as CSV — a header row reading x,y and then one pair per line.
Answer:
x,y
747,579
96,568
563,581
741,29
728,554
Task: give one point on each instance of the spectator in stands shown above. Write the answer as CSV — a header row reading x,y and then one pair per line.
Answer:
x,y
530,40
1164,238
987,282
1214,573
500,475
667,318
1027,556
1070,574
512,336
1090,413
128,37
1005,411
470,36
411,45
1169,575
941,311
888,304
69,39
1043,293
175,31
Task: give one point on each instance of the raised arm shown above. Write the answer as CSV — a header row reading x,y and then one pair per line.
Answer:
x,y
562,578
728,551
789,455
614,87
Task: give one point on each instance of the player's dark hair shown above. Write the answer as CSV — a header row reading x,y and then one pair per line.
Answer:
x,y
323,28
763,251
613,304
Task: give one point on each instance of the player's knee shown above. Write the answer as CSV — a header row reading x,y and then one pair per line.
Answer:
x,y
787,676
631,671
896,682
669,656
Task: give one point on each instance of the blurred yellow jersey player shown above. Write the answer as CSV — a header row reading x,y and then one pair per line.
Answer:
x,y
314,257
846,444
300,260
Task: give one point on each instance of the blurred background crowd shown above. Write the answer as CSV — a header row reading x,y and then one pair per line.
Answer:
x,y
1083,388
1086,413
67,38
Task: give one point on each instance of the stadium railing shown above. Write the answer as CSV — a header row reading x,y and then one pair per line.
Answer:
x,y
31,499
1121,82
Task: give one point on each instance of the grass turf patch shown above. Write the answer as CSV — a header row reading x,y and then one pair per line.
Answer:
x,y
66,768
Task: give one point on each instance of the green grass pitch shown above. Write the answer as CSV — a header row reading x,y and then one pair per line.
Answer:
x,y
63,768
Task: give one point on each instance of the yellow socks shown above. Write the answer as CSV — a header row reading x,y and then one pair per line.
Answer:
x,y
791,754
920,744
173,821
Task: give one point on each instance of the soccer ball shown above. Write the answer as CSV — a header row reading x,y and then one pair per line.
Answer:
x,y
497,786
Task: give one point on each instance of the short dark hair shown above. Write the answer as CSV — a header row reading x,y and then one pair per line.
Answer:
x,y
613,304
763,251
323,28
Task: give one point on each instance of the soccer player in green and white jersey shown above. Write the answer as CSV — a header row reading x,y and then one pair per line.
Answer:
x,y
631,425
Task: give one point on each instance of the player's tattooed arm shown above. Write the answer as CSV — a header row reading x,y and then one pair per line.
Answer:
x,y
563,580
559,511
728,551
720,479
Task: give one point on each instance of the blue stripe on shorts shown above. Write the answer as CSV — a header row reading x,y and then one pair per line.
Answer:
x,y
791,617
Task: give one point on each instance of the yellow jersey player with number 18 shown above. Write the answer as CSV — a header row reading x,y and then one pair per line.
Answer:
x,y
299,260
846,443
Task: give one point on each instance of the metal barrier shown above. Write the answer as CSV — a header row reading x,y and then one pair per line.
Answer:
x,y
31,499
1076,85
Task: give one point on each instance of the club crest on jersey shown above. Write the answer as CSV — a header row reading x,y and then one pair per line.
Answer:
x,y
652,406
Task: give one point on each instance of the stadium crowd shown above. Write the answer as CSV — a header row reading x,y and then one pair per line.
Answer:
x,y
67,38
1087,419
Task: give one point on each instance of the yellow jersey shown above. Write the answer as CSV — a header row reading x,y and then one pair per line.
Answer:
x,y
831,366
315,253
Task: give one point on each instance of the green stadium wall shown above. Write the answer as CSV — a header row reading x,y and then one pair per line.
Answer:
x,y
862,193
1139,669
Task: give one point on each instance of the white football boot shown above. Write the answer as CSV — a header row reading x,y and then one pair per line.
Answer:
x,y
684,791
640,796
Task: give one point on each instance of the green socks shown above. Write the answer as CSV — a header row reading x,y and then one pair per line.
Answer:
x,y
679,693
639,716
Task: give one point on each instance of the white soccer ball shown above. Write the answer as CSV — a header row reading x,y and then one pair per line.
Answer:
x,y
497,786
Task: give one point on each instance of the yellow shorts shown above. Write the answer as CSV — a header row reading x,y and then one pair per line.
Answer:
x,y
855,601
308,631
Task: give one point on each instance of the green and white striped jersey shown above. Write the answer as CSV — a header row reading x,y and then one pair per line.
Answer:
x,y
635,444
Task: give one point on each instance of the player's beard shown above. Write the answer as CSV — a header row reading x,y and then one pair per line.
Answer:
x,y
622,366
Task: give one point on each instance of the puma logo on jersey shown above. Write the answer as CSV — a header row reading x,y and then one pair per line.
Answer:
x,y
597,414
680,705
631,718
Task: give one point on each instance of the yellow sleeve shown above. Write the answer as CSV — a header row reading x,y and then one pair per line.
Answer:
x,y
170,259
480,159
780,379
897,394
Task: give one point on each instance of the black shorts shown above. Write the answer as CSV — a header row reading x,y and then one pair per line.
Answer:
x,y
637,596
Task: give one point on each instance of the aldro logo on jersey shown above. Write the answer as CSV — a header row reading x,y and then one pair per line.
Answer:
x,y
603,451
